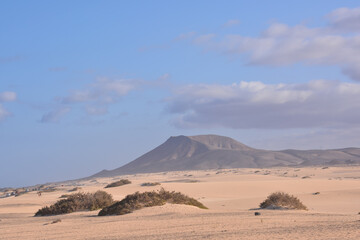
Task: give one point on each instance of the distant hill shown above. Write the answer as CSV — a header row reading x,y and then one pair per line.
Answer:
x,y
211,152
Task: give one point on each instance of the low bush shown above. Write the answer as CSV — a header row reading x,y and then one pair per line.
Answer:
x,y
281,200
75,189
77,202
138,200
48,189
64,196
118,183
149,184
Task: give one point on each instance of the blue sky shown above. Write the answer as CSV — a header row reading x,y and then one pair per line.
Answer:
x,y
88,85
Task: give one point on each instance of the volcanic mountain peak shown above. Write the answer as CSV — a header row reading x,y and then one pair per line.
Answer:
x,y
219,142
212,151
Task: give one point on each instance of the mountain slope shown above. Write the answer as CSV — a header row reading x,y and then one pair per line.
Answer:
x,y
212,151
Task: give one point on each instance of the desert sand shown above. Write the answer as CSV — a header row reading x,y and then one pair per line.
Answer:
x,y
232,196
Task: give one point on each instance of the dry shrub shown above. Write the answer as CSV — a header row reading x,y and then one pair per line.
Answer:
x,y
148,199
64,196
77,202
118,183
149,184
48,189
281,200
75,189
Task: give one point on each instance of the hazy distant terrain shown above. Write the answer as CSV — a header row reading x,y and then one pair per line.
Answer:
x,y
211,152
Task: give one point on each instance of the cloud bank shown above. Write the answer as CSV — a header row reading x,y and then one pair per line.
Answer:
x,y
336,44
256,105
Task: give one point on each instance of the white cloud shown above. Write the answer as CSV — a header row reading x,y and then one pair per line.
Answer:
x,y
352,71
345,19
7,96
282,44
251,105
102,91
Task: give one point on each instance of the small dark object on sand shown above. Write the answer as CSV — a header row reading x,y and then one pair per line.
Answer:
x,y
257,213
316,193
56,221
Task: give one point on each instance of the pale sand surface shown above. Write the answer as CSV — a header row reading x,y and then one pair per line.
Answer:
x,y
231,195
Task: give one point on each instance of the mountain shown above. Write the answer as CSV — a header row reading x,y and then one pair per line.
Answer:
x,y
212,152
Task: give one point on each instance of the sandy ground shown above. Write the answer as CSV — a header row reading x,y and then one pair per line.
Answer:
x,y
232,196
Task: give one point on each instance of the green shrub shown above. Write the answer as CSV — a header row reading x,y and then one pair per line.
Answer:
x,y
118,183
77,202
148,199
281,200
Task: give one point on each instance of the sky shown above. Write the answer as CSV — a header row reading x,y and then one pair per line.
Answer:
x,y
92,85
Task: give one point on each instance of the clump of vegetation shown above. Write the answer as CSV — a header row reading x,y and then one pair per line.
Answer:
x,y
64,196
44,188
75,189
192,181
118,183
149,184
281,200
77,202
138,200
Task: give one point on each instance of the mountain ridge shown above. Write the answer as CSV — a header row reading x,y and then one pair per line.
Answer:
x,y
202,152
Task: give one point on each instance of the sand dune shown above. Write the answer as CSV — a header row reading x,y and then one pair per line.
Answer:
x,y
230,195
